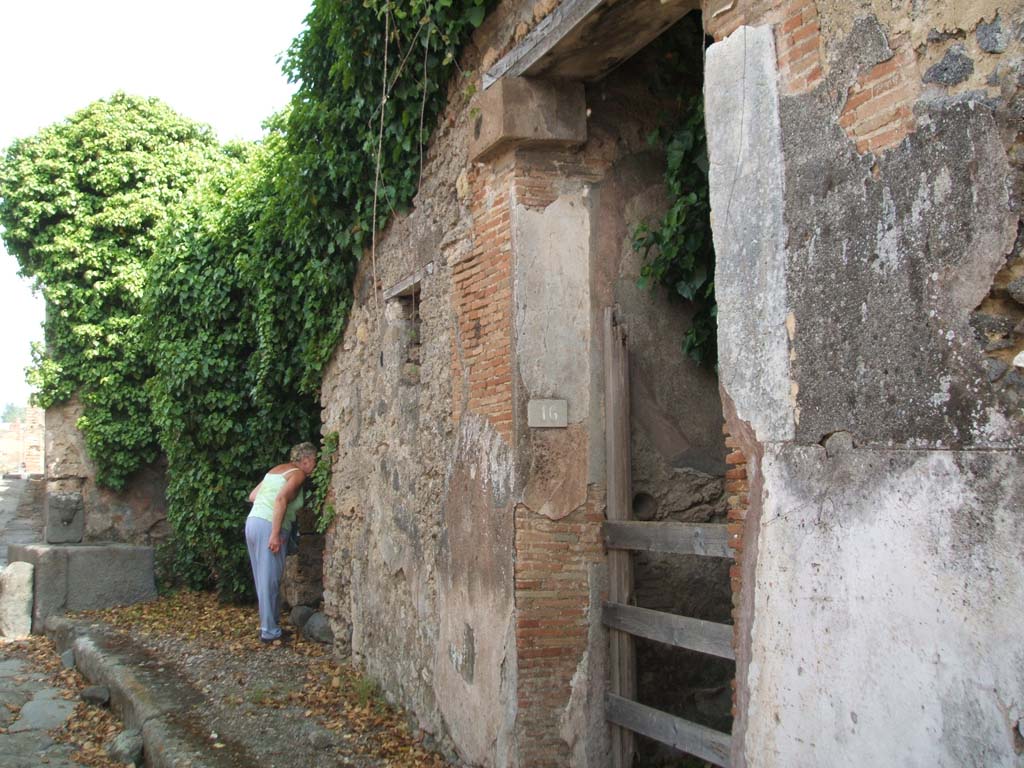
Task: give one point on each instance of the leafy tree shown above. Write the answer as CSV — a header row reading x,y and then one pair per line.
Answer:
x,y
198,292
222,416
80,203
12,413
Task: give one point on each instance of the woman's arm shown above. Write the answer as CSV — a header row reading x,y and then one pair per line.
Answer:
x,y
288,492
254,491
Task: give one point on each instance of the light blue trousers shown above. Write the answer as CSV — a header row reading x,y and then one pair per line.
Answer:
x,y
267,569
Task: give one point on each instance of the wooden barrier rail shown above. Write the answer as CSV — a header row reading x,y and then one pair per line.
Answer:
x,y
680,631
697,740
624,621
707,539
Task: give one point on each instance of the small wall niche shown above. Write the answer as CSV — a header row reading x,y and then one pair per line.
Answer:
x,y
405,297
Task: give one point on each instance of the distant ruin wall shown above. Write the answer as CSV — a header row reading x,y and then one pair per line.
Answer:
x,y
866,193
78,510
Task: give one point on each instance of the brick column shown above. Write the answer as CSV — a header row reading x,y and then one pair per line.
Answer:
x,y
737,488
482,300
553,558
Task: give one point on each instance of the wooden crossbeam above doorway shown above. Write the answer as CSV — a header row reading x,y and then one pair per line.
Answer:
x,y
587,39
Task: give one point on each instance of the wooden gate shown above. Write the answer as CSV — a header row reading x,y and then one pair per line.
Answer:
x,y
623,536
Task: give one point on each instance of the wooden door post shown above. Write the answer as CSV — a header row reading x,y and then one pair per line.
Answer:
x,y
622,654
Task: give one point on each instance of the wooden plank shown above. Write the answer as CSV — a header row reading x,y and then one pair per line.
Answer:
x,y
586,39
707,539
410,284
622,653
541,39
680,631
697,740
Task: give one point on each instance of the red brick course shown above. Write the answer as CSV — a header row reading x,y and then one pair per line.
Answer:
x,y
553,559
879,113
739,503
482,300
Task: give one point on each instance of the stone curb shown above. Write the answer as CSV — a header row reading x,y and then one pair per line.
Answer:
x,y
142,693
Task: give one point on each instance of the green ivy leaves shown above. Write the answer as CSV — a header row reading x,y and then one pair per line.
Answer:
x,y
680,253
196,292
79,202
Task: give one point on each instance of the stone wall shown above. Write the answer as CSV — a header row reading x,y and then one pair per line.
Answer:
x,y
79,510
866,186
21,443
465,568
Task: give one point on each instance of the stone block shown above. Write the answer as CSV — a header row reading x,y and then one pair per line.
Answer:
x,y
65,518
516,112
16,600
107,575
86,577
126,748
51,579
319,629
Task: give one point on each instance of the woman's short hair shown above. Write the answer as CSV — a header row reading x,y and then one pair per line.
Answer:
x,y
301,451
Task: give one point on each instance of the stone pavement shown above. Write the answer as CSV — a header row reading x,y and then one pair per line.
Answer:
x,y
29,708
21,514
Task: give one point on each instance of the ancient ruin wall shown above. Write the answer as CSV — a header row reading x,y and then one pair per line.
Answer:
x,y
465,567
866,191
77,509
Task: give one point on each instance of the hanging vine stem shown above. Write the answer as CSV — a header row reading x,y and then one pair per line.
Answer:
x,y
380,148
423,102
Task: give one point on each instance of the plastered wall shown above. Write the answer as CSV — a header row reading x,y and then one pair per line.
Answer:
x,y
866,199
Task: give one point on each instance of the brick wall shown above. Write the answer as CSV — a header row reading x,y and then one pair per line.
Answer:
x,y
798,45
737,487
797,36
878,112
553,559
482,299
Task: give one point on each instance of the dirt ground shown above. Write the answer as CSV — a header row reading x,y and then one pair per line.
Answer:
x,y
278,705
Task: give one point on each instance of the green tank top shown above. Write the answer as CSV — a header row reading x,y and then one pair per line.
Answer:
x,y
263,506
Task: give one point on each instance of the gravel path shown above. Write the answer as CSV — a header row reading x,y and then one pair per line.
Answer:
x,y
275,706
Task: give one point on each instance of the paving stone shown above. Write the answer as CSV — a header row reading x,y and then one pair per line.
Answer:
x,y
12,667
46,710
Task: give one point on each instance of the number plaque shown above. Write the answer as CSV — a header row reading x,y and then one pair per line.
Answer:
x,y
547,413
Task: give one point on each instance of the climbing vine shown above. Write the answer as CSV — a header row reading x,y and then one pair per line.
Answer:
x,y
195,292
321,477
80,202
679,251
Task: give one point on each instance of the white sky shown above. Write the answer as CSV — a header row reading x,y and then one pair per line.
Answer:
x,y
214,61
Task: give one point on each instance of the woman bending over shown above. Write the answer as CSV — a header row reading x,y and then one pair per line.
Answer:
x,y
275,503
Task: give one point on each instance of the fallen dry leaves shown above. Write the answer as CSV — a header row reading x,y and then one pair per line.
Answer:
x,y
332,693
89,728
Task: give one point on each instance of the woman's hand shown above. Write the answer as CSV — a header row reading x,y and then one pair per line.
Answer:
x,y
274,543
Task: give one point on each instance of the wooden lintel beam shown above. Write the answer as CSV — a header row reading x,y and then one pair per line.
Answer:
x,y
586,39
